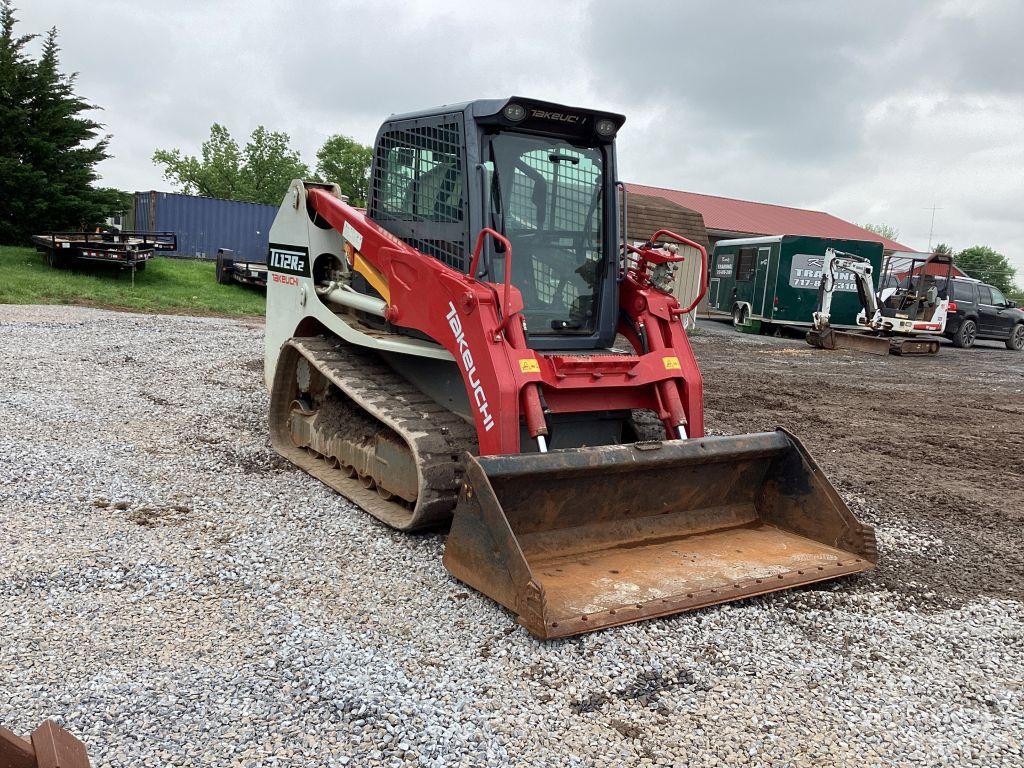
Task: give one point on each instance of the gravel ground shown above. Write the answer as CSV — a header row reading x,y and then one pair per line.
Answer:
x,y
174,594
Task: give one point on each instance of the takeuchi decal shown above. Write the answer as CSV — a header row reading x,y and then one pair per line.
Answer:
x,y
466,359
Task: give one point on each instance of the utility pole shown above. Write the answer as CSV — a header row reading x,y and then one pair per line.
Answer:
x,y
931,229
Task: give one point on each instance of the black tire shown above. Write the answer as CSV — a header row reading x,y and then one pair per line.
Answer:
x,y
1016,340
54,260
966,335
223,275
140,266
739,316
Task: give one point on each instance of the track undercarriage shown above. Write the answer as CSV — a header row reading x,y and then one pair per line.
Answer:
x,y
345,417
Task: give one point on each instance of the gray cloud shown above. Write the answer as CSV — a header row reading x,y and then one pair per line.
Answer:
x,y
872,110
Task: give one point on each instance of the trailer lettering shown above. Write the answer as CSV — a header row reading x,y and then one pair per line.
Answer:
x,y
805,272
479,396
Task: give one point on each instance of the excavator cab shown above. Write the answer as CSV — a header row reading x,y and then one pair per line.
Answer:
x,y
489,350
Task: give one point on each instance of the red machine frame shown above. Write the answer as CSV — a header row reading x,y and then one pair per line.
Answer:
x,y
484,331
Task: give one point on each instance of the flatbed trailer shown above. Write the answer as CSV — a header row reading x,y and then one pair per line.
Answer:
x,y
127,249
230,270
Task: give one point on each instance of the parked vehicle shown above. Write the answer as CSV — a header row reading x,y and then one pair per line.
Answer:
x,y
229,270
129,250
761,281
980,311
422,369
910,306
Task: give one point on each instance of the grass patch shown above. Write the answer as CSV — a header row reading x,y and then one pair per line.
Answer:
x,y
176,286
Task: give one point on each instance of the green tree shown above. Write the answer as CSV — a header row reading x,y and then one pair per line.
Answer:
x,y
943,249
346,162
984,263
887,231
258,173
48,148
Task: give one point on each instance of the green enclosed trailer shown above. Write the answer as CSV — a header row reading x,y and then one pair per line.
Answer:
x,y
760,281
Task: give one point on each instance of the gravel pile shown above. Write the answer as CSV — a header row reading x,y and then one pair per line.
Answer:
x,y
174,594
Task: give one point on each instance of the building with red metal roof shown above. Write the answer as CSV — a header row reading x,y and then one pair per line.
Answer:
x,y
725,217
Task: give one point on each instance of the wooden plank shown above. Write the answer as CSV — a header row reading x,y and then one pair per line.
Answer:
x,y
15,752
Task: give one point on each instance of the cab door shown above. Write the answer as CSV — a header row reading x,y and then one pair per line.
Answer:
x,y
746,271
993,317
761,281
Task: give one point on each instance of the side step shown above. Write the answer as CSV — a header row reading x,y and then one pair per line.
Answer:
x,y
577,540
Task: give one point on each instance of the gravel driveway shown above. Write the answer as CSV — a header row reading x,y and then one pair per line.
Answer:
x,y
174,594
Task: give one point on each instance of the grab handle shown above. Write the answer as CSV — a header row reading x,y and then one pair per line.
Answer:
x,y
506,308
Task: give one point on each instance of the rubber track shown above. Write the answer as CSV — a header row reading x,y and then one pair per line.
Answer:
x,y
436,437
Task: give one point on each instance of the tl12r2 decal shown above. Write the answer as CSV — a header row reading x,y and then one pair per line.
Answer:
x,y
289,259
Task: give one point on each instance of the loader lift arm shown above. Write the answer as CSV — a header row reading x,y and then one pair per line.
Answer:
x,y
480,324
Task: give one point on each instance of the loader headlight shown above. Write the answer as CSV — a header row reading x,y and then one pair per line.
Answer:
x,y
514,112
605,127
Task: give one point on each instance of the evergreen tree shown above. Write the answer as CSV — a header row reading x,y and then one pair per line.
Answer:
x,y
48,147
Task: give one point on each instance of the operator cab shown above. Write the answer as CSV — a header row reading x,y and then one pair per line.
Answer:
x,y
541,174
913,285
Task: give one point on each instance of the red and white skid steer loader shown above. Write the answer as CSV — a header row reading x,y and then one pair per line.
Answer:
x,y
448,356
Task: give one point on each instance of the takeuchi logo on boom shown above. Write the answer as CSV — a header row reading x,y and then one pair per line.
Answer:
x,y
466,359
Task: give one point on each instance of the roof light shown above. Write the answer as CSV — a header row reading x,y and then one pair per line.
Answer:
x,y
605,127
514,112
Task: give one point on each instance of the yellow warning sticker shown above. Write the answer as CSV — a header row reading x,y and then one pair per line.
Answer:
x,y
671,363
529,365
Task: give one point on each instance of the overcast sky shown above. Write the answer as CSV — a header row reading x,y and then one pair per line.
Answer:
x,y
872,111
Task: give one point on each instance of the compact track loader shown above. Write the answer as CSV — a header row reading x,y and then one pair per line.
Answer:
x,y
450,356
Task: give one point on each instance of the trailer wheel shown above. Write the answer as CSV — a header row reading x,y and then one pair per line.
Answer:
x,y
54,260
140,267
223,269
739,316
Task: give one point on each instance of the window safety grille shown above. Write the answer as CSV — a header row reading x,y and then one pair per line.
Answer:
x,y
419,189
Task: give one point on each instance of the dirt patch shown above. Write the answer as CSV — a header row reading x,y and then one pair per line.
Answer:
x,y
627,730
929,448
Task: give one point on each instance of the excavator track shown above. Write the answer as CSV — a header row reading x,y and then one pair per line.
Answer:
x,y
341,414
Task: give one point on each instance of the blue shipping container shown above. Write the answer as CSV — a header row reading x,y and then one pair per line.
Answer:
x,y
204,224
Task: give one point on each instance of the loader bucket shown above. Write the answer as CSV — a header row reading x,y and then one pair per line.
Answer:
x,y
830,338
576,540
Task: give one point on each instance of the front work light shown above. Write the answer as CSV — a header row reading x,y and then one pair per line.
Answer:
x,y
514,112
